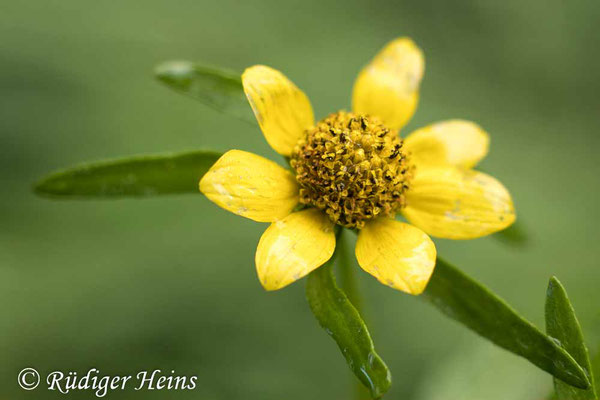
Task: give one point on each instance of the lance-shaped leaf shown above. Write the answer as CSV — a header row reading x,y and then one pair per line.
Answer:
x,y
472,304
135,176
342,322
562,325
217,88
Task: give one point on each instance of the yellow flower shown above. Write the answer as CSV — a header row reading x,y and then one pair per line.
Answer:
x,y
354,170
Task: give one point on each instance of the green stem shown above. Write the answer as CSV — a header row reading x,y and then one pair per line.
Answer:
x,y
347,273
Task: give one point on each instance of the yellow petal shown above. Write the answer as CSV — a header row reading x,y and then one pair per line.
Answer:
x,y
454,142
250,186
389,86
282,110
291,248
397,254
454,203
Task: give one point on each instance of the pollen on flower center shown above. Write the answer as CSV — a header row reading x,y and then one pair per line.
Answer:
x,y
352,167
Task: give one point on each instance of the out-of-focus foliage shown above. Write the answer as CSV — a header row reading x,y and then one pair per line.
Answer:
x,y
215,87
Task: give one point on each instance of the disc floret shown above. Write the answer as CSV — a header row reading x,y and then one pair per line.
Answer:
x,y
352,167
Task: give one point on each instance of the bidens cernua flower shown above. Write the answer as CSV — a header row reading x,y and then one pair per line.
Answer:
x,y
353,169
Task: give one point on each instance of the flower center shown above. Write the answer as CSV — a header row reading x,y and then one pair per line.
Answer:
x,y
352,167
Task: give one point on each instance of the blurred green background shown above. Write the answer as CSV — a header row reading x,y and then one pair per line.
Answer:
x,y
169,282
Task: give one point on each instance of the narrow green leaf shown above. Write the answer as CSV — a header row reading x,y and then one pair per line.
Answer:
x,y
562,325
472,304
135,176
217,88
515,235
342,322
